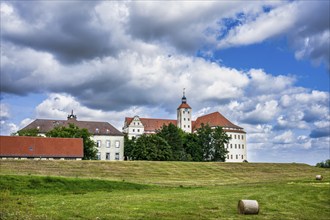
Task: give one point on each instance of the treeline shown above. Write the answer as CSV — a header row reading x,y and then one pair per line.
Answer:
x,y
170,143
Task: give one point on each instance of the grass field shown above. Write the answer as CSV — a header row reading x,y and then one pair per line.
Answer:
x,y
160,190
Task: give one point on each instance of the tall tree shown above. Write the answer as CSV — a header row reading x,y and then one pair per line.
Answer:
x,y
204,134
219,139
192,147
151,147
213,142
129,145
73,131
174,137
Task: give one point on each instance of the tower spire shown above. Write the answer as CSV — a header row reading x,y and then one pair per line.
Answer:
x,y
184,99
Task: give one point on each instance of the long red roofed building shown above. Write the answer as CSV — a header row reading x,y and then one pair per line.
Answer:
x,y
24,147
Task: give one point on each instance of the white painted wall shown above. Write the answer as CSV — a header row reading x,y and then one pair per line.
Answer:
x,y
111,145
236,147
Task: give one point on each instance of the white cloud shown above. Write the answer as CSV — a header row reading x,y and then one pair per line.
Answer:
x,y
286,137
7,128
263,113
4,111
262,27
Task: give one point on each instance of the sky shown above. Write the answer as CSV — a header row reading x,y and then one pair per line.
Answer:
x,y
264,65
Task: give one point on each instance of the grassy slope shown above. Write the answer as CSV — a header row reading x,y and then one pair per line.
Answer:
x,y
160,190
166,173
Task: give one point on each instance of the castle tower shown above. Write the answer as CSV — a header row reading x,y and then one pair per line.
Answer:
x,y
184,112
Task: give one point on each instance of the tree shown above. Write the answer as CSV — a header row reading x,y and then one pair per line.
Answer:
x,y
323,164
192,147
151,147
174,137
28,132
219,139
204,134
213,142
73,131
129,145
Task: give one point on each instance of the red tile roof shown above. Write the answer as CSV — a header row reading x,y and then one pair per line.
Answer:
x,y
184,105
214,119
93,127
152,124
22,146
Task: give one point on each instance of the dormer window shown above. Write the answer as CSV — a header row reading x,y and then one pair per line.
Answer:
x,y
97,131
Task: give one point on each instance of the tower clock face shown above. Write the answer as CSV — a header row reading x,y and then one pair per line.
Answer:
x,y
186,110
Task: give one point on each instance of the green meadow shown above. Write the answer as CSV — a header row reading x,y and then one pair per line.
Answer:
x,y
160,190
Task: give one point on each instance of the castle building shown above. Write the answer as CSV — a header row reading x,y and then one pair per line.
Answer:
x,y
110,141
136,126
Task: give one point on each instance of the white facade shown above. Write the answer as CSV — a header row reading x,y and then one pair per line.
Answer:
x,y
184,119
109,147
135,128
236,147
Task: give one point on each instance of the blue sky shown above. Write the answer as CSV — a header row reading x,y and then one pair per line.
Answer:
x,y
262,64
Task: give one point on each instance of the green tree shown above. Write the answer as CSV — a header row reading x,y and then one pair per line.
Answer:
x,y
213,142
219,139
174,137
73,131
324,164
28,132
192,147
151,147
204,134
129,145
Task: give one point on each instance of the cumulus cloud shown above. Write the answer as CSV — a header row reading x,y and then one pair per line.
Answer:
x,y
261,26
4,111
306,24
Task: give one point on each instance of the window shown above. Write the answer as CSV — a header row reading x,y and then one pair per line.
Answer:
x,y
99,156
108,131
117,156
98,143
231,156
228,156
230,136
188,119
138,130
231,146
242,137
107,156
235,146
235,136
117,144
97,130
238,136
138,123
236,156
239,146
242,146
108,143
184,119
242,157
188,126
184,126
133,130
